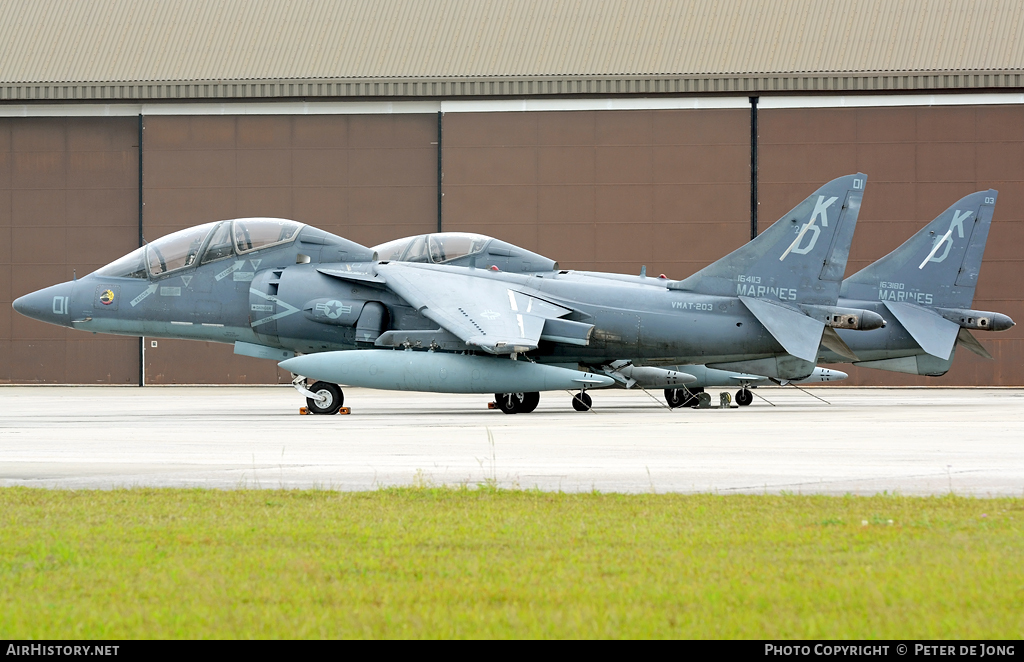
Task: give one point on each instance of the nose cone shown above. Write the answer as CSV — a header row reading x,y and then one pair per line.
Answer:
x,y
51,304
1002,322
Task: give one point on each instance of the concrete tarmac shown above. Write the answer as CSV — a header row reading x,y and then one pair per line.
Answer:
x,y
909,441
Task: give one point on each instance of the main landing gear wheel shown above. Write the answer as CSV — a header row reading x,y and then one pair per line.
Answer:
x,y
682,397
582,402
517,403
330,398
530,402
744,397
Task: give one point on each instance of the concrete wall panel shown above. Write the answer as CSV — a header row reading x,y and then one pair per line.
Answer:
x,y
601,190
609,190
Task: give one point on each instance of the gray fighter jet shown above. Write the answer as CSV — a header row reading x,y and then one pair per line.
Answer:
x,y
280,290
436,248
924,289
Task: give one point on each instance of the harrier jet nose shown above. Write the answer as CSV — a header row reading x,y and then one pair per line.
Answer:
x,y
50,304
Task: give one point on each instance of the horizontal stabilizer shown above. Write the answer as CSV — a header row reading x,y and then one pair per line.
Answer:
x,y
933,333
798,334
970,342
831,340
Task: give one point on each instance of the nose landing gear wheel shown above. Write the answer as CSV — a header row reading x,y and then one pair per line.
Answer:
x,y
682,397
744,397
330,398
582,402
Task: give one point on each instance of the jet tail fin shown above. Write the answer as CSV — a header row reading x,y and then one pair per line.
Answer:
x,y
938,266
800,259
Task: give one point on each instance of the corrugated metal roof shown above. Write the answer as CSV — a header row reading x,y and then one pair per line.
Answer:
x,y
235,40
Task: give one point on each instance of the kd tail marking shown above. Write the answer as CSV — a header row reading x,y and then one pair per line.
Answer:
x,y
819,210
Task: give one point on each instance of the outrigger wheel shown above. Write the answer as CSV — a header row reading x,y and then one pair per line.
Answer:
x,y
681,397
744,397
330,398
582,402
517,403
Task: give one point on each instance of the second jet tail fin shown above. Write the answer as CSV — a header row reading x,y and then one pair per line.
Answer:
x,y
938,266
932,272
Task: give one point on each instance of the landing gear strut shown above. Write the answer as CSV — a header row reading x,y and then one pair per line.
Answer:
x,y
682,397
328,400
744,397
517,403
582,402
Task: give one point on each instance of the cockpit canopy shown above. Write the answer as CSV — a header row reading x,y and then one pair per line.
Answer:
x,y
463,249
432,248
212,241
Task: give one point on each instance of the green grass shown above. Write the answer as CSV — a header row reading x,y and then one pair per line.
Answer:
x,y
428,562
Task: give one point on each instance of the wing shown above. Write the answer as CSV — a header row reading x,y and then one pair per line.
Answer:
x,y
486,313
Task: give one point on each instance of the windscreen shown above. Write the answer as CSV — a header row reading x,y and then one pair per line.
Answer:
x,y
220,245
177,250
132,265
409,249
255,233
